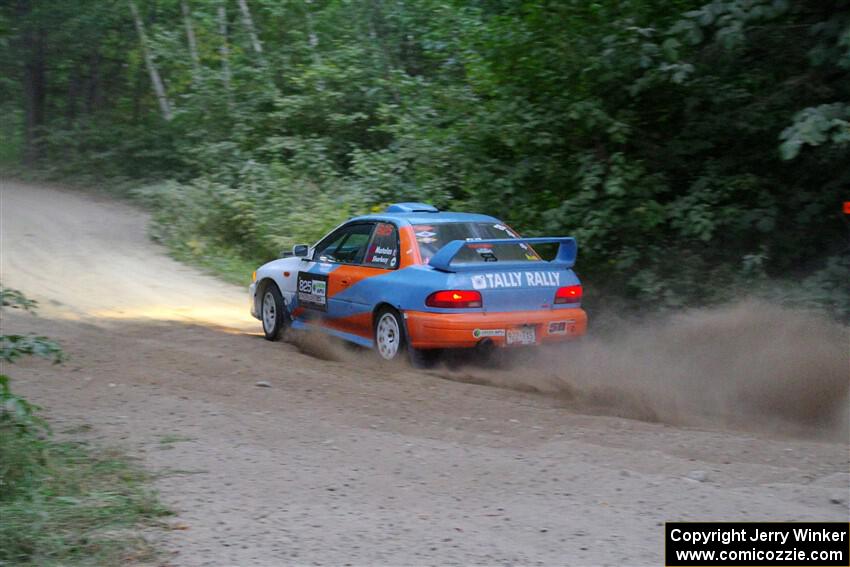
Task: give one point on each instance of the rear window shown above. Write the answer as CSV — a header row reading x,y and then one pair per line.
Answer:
x,y
432,237
383,250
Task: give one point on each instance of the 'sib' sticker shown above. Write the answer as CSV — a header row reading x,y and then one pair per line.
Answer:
x,y
384,229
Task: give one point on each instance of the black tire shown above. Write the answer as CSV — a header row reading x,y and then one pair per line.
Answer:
x,y
388,333
276,320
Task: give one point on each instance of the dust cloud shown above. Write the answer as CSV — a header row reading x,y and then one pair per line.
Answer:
x,y
318,345
749,365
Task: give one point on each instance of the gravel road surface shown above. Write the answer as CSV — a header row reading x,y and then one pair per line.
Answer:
x,y
344,461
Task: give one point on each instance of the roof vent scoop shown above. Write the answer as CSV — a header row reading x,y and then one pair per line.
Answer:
x,y
411,208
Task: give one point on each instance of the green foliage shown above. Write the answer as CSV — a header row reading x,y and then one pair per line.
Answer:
x,y
16,300
232,231
16,413
62,503
815,126
67,504
695,148
13,347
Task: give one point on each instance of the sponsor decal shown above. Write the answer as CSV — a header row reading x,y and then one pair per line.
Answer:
x,y
393,262
498,280
313,291
500,227
426,234
480,333
426,240
560,327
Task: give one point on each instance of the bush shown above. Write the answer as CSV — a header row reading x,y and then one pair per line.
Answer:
x,y
233,230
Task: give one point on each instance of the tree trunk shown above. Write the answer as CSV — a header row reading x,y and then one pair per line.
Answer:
x,y
158,87
190,35
93,96
379,52
35,85
224,49
313,44
248,22
74,89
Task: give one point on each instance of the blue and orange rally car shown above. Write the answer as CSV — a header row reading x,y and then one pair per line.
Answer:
x,y
413,279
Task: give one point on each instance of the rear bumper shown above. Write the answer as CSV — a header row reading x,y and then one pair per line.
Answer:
x,y
465,330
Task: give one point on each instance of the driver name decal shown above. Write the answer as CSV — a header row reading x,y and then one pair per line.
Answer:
x,y
498,280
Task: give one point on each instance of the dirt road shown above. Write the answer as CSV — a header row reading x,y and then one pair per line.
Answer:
x,y
345,462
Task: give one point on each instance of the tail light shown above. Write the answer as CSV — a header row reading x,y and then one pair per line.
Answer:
x,y
568,294
454,299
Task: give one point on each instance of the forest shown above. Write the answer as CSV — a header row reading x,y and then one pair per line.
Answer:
x,y
697,151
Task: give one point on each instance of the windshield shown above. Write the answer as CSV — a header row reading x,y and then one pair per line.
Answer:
x,y
432,237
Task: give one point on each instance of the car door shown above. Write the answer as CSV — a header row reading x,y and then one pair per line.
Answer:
x,y
361,287
320,279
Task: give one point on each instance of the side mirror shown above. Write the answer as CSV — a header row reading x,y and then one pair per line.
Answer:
x,y
301,250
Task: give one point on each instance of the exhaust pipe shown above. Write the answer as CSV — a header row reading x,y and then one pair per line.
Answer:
x,y
485,346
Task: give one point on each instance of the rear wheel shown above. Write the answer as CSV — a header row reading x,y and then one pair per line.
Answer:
x,y
391,340
273,311
389,334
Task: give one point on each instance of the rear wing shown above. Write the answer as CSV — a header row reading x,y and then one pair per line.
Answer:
x,y
565,258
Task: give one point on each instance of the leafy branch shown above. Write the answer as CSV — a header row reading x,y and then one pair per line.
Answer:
x,y
15,411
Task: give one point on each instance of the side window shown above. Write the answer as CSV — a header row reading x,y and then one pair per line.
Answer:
x,y
345,246
383,250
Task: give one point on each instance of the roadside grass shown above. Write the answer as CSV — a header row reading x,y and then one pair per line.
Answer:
x,y
223,264
66,503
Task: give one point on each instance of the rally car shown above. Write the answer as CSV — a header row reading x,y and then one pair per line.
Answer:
x,y
414,280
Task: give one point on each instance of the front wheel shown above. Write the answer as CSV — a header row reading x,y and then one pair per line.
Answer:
x,y
275,317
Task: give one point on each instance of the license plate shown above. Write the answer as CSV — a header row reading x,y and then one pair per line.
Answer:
x,y
521,336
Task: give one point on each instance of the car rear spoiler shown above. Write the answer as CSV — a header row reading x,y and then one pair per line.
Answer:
x,y
565,258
